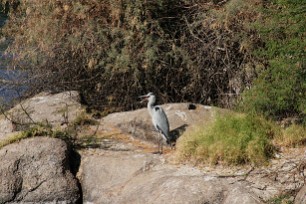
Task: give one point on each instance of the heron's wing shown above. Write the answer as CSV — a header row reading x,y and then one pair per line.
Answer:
x,y
160,121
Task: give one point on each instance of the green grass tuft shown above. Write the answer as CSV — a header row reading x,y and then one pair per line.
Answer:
x,y
281,199
232,140
13,138
38,130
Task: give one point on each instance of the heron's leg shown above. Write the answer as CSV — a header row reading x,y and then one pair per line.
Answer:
x,y
161,146
160,143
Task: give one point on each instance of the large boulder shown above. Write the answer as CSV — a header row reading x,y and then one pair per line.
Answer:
x,y
181,116
37,170
135,177
54,109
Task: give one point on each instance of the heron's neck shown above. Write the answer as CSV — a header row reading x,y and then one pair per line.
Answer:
x,y
151,105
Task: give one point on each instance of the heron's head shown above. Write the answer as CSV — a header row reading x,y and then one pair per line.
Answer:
x,y
148,97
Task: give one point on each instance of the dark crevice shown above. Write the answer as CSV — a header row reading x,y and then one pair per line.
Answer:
x,y
74,159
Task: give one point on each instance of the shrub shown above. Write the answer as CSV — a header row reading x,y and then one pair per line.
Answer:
x,y
280,89
233,139
111,51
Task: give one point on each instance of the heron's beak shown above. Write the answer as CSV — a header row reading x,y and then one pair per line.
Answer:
x,y
143,98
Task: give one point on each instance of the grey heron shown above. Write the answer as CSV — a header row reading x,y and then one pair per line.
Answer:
x,y
159,120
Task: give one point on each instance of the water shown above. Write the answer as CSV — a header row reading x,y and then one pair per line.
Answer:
x,y
11,86
3,18
7,90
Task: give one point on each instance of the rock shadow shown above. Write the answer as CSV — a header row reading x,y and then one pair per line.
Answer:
x,y
177,132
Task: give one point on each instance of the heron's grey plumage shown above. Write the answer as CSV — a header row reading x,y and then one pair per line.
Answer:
x,y
159,117
160,122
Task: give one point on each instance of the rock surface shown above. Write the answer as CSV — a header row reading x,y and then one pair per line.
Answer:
x,y
281,176
117,164
134,177
55,109
301,196
126,175
37,170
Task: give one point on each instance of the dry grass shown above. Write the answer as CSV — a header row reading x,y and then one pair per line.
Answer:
x,y
292,136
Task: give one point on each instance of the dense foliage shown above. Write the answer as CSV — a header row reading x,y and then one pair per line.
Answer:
x,y
113,50
186,50
280,89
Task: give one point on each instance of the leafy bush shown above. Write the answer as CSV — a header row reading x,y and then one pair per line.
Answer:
x,y
233,139
111,51
280,89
